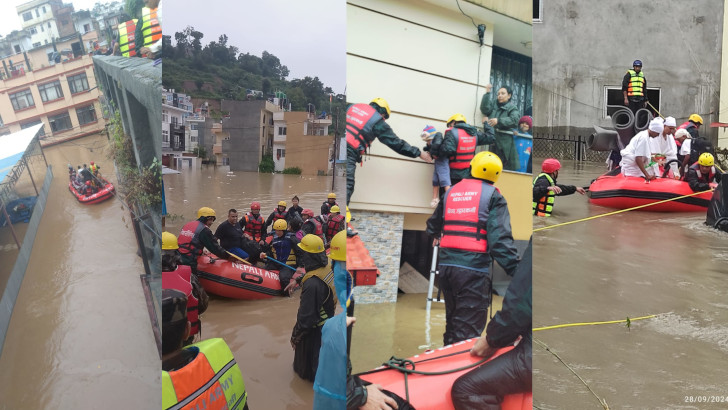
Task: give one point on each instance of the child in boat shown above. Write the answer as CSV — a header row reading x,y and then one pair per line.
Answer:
x,y
441,173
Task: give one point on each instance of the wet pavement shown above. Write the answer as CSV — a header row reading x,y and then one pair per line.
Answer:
x,y
629,265
80,334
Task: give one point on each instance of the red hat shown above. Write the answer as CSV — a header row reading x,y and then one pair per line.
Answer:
x,y
550,165
527,120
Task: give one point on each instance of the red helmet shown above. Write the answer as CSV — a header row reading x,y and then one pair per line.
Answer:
x,y
92,162
550,165
254,206
307,212
88,182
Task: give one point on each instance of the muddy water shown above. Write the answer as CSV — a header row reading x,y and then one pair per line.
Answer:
x,y
258,332
629,265
80,335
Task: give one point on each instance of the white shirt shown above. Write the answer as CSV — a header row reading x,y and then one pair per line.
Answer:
x,y
665,145
685,147
639,146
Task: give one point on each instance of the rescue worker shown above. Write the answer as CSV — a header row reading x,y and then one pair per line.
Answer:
x,y
697,145
702,173
328,203
318,302
636,155
459,144
692,125
230,235
279,213
283,249
364,124
85,174
485,386
545,188
89,189
335,223
202,375
253,224
195,236
179,277
471,225
312,225
634,87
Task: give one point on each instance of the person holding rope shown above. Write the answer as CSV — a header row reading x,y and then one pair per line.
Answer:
x,y
702,173
545,188
195,236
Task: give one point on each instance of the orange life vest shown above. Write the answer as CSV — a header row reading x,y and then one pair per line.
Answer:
x,y
360,119
254,226
334,225
466,216
465,150
189,239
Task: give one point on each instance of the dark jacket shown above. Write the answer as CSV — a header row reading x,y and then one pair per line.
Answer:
x,y
699,184
507,114
450,145
541,188
230,235
383,132
294,210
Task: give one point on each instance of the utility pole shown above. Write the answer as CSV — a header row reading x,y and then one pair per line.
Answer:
x,y
336,151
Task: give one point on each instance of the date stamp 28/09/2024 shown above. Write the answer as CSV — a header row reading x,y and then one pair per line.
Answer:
x,y
706,399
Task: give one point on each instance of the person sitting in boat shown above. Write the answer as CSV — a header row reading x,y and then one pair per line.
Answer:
x,y
312,225
664,149
79,179
295,209
71,173
283,249
295,226
328,203
318,302
89,189
195,236
253,224
335,223
545,188
179,277
702,173
201,374
230,235
485,386
636,155
279,213
682,139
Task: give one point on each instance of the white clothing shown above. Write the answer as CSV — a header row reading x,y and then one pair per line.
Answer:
x,y
639,146
665,145
685,147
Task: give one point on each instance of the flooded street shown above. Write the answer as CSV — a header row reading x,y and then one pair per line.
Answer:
x,y
629,265
258,332
80,334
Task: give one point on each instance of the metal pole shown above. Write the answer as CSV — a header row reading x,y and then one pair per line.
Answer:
x,y
433,272
25,161
10,224
336,152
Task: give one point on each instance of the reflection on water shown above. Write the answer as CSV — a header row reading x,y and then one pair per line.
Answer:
x,y
628,265
258,332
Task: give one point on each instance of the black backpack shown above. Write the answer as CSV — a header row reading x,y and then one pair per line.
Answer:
x,y
699,146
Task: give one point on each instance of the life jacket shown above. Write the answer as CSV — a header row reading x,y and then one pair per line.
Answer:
x,y
334,225
544,205
127,44
636,86
151,30
328,206
279,215
684,125
254,226
705,178
466,216
89,190
360,119
282,245
211,381
181,279
189,239
318,228
465,150
326,274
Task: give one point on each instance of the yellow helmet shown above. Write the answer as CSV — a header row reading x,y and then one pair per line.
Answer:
x,y
331,195
335,208
382,103
169,241
348,215
311,244
706,159
282,203
280,225
206,211
486,165
456,117
696,119
338,247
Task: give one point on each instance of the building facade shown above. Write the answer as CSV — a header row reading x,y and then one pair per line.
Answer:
x,y
302,140
250,128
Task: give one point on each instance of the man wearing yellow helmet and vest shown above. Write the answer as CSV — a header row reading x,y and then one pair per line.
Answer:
x,y
459,144
364,124
545,188
695,145
634,87
702,173
471,225
203,375
278,213
318,302
283,249
195,236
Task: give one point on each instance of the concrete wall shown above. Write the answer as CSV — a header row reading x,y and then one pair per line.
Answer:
x,y
245,127
582,47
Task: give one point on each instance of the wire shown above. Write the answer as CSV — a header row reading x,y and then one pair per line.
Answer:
x,y
461,10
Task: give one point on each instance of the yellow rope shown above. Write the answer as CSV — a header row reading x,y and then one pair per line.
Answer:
x,y
658,113
621,210
592,323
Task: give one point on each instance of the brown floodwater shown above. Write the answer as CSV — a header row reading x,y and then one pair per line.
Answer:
x,y
258,332
629,265
80,335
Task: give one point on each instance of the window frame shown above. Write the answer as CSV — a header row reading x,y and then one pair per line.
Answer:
x,y
538,5
24,93
27,16
53,121
43,91
609,109
73,78
83,112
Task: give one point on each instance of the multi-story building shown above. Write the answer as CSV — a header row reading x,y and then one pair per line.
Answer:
x,y
301,139
176,108
15,43
250,126
46,20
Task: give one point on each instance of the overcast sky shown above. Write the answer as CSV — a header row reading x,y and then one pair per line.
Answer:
x,y
309,37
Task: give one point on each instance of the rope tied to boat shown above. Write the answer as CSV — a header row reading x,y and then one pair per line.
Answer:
x,y
622,210
629,319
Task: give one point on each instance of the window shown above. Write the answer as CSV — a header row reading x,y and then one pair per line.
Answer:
x,y
36,13
49,24
165,136
537,11
32,123
33,30
86,28
174,120
42,29
78,83
22,99
86,114
193,138
164,116
36,44
614,99
193,126
17,48
281,130
43,8
50,91
60,122
27,16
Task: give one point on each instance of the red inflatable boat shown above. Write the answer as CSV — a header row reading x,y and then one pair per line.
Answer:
x,y
623,192
237,280
104,193
433,391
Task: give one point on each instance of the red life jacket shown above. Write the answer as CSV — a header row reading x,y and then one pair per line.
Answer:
x,y
466,216
465,150
254,226
279,215
710,176
189,239
319,228
328,206
684,125
360,119
334,225
180,279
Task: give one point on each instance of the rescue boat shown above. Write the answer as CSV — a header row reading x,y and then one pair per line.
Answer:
x,y
237,280
433,391
104,193
621,192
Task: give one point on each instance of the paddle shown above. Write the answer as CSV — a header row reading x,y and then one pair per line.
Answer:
x,y
280,263
238,258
